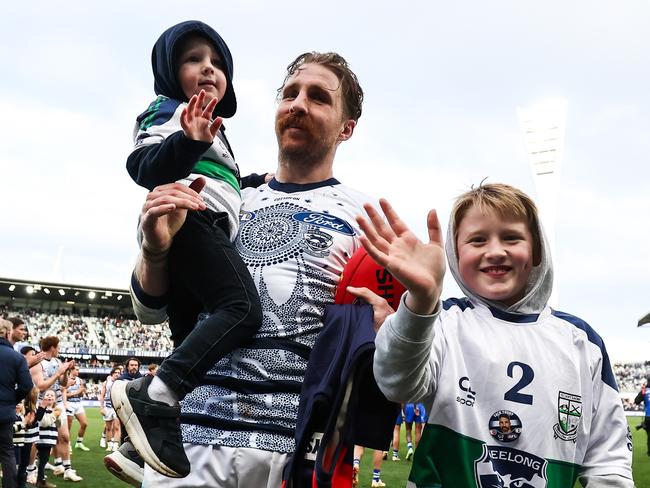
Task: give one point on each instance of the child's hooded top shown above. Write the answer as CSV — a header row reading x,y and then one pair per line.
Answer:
x,y
537,291
474,361
165,67
163,154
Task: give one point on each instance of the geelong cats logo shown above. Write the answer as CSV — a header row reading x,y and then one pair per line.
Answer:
x,y
505,467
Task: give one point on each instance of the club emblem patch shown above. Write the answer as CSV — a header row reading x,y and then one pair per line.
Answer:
x,y
505,467
569,411
505,426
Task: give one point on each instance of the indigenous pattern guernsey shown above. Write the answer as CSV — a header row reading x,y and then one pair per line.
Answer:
x,y
295,240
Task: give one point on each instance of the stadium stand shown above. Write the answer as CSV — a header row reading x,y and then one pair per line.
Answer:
x,y
102,331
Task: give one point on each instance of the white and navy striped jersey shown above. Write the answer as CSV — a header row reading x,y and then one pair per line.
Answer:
x,y
47,432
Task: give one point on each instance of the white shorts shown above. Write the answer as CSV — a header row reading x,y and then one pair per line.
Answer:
x,y
109,414
224,467
75,408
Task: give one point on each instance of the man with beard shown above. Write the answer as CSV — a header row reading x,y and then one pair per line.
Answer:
x,y
132,371
296,234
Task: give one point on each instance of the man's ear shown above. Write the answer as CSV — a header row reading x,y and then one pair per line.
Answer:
x,y
348,129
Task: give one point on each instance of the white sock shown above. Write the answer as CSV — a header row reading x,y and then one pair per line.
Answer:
x,y
160,392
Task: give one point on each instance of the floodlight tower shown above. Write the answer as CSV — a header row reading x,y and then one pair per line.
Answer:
x,y
543,126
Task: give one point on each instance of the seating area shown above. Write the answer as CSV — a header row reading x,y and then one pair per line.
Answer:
x,y
115,336
631,376
98,333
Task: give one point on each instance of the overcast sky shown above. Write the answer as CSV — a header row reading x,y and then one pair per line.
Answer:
x,y
442,82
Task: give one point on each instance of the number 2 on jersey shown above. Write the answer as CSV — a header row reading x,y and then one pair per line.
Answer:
x,y
527,375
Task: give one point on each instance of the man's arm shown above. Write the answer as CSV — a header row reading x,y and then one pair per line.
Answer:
x,y
102,394
80,391
641,396
163,214
42,383
35,359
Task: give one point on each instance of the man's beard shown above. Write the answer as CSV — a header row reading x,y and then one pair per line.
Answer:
x,y
311,152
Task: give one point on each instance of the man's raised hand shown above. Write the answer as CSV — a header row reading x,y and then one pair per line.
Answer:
x,y
164,213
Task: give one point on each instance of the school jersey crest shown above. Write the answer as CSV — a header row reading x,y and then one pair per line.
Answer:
x,y
569,411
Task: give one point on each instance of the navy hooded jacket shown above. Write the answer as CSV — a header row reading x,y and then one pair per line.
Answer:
x,y
165,67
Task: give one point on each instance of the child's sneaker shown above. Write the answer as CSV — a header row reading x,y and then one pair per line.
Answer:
x,y
153,427
409,454
395,457
71,475
82,446
126,464
377,484
102,442
49,466
58,470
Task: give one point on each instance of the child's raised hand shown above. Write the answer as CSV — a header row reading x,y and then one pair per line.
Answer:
x,y
29,418
419,266
197,122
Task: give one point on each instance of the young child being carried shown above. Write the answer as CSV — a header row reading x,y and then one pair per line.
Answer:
x,y
212,302
518,394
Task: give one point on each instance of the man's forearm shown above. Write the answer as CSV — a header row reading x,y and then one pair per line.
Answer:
x,y
151,273
45,384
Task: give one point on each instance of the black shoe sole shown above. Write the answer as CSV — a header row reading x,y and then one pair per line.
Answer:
x,y
126,474
136,433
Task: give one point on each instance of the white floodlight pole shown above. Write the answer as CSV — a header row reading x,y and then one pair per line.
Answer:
x,y
544,126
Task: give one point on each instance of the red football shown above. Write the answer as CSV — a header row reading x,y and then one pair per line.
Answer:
x,y
362,271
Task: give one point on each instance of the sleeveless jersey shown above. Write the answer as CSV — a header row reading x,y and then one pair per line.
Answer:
x,y
74,389
295,240
50,367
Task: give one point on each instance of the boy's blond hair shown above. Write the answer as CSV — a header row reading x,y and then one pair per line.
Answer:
x,y
504,200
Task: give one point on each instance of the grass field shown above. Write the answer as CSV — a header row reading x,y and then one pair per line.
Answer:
x,y
90,464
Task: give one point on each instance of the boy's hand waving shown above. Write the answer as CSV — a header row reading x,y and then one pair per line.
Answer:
x,y
197,122
419,266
